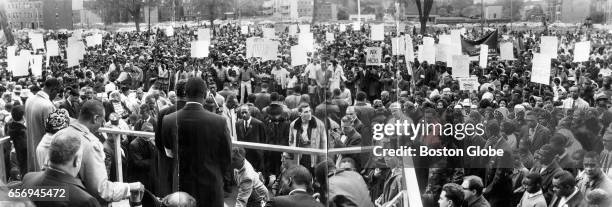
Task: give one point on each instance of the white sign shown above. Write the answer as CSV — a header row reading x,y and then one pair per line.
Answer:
x,y
199,49
298,56
468,84
445,39
94,40
204,34
169,31
373,56
582,51
409,52
549,45
442,53
429,50
484,54
268,33
36,40
398,45
461,66
540,68
420,53
306,40
19,65
304,28
342,27
37,63
73,54
507,51
377,32
293,29
329,37
52,48
244,29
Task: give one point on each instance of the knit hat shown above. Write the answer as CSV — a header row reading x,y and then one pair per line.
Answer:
x,y
57,120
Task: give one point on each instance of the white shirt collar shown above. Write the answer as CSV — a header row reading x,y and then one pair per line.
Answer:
x,y
297,190
193,102
531,195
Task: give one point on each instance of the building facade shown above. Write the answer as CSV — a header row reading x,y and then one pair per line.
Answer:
x,y
57,14
23,14
327,12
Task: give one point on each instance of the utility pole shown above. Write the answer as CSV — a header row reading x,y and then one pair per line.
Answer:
x,y
482,16
359,10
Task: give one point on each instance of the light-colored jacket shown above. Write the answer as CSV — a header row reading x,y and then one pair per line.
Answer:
x,y
93,171
318,136
251,189
37,109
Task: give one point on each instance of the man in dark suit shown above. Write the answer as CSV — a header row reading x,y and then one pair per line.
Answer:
x,y
250,129
537,134
202,147
71,104
547,169
294,183
364,112
165,163
567,194
65,157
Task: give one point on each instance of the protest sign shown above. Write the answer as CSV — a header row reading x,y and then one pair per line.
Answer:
x,y
94,40
442,52
244,29
199,49
461,66
582,51
507,51
473,47
444,39
540,68
409,51
204,34
169,31
468,84
373,56
270,51
329,37
37,63
420,53
268,33
304,28
293,29
298,56
73,54
484,54
36,39
19,65
342,27
306,40
377,32
549,45
398,45
429,50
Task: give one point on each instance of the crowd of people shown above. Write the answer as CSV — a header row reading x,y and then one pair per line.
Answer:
x,y
556,138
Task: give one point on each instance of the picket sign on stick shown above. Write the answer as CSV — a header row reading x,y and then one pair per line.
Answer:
x,y
373,56
540,68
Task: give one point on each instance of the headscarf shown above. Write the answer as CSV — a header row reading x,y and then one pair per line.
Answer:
x,y
57,120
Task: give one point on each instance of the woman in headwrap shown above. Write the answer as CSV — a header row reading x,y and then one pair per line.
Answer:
x,y
56,121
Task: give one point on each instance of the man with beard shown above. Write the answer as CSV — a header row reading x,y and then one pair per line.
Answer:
x,y
294,187
593,177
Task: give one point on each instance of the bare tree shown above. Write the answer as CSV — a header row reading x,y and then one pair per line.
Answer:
x,y
133,7
424,8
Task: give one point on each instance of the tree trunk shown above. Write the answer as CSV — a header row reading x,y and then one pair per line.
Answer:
x,y
314,11
423,26
136,15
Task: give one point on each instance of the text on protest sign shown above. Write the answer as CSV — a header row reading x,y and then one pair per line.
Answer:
x,y
373,56
468,84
